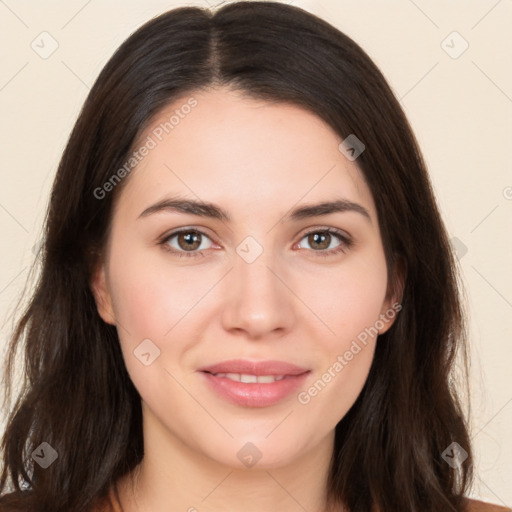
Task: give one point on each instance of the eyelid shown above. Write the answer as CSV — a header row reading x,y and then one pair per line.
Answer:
x,y
164,239
346,240
329,229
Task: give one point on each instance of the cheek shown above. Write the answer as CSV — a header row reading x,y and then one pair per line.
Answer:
x,y
149,295
155,300
148,302
350,300
351,306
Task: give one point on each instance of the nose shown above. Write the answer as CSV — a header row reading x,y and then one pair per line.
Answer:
x,y
258,298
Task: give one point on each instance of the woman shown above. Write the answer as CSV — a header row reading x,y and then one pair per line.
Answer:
x,y
248,298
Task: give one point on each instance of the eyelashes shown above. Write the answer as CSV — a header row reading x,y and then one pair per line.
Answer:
x,y
183,253
345,242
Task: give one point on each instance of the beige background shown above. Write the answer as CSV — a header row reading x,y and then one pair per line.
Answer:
x,y
460,109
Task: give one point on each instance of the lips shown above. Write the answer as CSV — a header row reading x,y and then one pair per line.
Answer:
x,y
243,366
254,383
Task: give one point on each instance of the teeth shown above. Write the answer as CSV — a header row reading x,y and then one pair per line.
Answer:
x,y
250,379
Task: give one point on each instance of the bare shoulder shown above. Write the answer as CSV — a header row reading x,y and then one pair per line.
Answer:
x,y
482,506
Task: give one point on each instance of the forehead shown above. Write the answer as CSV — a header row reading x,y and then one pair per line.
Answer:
x,y
247,153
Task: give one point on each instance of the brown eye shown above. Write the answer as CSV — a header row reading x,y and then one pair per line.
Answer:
x,y
321,239
187,242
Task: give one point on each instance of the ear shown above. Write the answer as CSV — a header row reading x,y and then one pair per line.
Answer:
x,y
99,288
393,301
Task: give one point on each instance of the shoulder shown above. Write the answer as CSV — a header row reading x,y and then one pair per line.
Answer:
x,y
481,506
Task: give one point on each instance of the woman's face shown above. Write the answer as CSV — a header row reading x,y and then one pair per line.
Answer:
x,y
260,284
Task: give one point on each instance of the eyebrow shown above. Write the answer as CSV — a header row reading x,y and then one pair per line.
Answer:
x,y
213,211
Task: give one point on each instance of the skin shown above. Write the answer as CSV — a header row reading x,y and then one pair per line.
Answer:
x,y
257,160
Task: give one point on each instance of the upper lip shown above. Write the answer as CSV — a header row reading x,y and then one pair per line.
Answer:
x,y
245,366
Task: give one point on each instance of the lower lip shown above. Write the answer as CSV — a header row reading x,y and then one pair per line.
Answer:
x,y
255,394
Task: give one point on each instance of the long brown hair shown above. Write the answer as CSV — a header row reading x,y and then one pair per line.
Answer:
x,y
77,395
